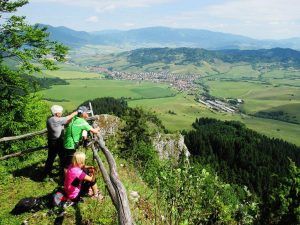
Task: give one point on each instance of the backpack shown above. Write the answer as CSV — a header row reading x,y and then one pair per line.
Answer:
x,y
30,204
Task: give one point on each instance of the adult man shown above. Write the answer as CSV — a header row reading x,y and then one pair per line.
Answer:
x,y
55,127
74,132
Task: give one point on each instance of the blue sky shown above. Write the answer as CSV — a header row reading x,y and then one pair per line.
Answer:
x,y
262,19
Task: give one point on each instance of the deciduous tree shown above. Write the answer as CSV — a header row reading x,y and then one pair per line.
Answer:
x,y
24,49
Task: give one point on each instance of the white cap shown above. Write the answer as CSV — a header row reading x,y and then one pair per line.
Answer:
x,y
56,109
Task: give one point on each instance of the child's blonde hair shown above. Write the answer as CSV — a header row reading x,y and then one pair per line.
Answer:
x,y
78,159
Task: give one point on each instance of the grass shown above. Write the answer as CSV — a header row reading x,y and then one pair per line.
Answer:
x,y
67,74
20,180
231,89
239,71
258,97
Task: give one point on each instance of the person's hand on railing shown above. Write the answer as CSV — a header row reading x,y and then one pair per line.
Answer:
x,y
95,130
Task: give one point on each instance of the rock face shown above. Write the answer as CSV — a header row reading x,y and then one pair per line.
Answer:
x,y
108,124
170,146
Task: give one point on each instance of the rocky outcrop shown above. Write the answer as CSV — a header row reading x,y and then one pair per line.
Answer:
x,y
170,146
108,124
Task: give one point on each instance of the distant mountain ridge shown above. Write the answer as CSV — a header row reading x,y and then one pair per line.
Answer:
x,y
166,37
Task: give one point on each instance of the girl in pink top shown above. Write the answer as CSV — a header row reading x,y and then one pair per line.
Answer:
x,y
80,178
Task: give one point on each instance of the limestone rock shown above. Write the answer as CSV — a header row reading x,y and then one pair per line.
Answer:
x,y
170,146
108,124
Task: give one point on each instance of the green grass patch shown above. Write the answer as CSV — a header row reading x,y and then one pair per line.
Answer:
x,y
257,96
19,180
67,74
241,71
288,113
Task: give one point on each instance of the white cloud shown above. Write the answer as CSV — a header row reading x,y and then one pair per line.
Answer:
x,y
254,18
128,25
261,18
257,10
93,19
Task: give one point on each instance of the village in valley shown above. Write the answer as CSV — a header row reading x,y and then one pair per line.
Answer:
x,y
182,82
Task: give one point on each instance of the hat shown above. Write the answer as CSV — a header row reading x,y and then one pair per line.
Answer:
x,y
56,109
83,109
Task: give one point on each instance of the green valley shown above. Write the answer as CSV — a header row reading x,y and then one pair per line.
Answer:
x,y
263,89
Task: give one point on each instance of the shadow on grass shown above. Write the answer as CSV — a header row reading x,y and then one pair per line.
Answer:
x,y
61,216
59,219
78,215
35,173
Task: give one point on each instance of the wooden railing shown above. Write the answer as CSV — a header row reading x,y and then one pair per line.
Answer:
x,y
15,138
115,187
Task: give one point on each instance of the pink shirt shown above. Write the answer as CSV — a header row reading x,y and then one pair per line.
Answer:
x,y
73,181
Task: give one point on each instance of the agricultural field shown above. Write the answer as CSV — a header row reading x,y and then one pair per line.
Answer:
x,y
69,74
238,71
78,91
274,94
256,96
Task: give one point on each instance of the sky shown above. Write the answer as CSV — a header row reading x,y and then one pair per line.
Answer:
x,y
260,19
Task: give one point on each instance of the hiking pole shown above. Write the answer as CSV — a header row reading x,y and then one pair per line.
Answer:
x,y
91,109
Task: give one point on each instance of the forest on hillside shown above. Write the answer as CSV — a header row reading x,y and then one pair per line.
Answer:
x,y
185,56
245,157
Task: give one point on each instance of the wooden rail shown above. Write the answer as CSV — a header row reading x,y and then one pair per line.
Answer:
x,y
14,138
22,152
120,197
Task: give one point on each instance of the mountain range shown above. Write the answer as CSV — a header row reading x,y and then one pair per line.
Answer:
x,y
166,37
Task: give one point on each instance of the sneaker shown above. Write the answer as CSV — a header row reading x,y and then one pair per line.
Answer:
x,y
90,193
98,196
68,204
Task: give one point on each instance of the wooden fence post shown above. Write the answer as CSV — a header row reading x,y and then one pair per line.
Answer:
x,y
124,213
105,176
